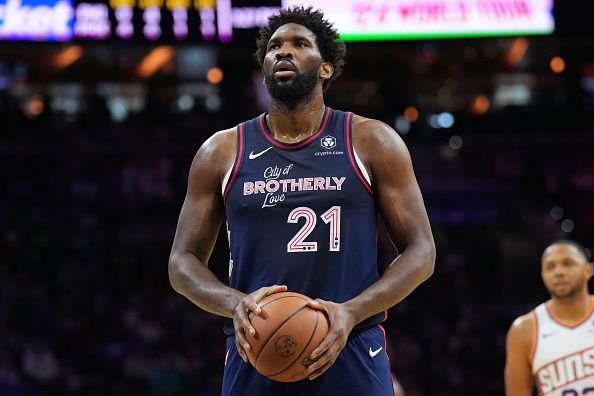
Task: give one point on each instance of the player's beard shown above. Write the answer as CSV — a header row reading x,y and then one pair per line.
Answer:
x,y
291,93
572,291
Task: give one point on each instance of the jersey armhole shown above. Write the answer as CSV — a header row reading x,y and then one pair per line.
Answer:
x,y
354,160
534,340
226,178
362,168
231,174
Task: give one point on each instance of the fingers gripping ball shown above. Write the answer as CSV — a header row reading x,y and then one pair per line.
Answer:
x,y
285,337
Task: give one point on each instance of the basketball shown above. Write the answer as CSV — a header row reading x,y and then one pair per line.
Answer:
x,y
286,336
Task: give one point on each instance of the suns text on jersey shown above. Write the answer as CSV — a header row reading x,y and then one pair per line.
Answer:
x,y
566,370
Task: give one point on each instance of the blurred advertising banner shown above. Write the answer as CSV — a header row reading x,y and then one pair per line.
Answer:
x,y
371,20
36,20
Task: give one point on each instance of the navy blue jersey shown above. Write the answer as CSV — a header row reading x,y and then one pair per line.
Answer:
x,y
301,214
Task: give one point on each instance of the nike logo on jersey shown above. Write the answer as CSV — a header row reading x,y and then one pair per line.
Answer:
x,y
254,156
373,353
550,333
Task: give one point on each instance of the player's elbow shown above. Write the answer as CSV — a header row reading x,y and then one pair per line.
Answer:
x,y
427,263
175,273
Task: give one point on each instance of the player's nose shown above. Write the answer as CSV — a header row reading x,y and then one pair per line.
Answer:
x,y
285,51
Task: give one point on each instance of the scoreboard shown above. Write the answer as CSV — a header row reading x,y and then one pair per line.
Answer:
x,y
132,20
225,21
166,20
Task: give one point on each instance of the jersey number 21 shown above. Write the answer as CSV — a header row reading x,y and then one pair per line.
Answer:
x,y
298,244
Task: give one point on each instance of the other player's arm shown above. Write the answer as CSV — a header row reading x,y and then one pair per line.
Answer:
x,y
403,212
197,229
518,346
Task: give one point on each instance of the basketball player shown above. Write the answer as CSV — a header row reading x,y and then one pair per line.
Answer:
x,y
554,344
302,187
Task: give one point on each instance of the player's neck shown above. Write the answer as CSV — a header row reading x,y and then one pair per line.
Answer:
x,y
572,308
295,124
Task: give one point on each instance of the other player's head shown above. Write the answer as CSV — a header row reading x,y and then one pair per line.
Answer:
x,y
298,50
565,268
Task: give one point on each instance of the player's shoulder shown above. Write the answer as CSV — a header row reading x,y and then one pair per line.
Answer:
x,y
522,328
372,128
221,141
523,321
218,151
373,138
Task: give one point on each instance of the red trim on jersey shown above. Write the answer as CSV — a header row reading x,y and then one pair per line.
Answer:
x,y
386,351
570,325
238,161
350,149
297,145
385,340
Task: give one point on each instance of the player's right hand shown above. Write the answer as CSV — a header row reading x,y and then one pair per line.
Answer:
x,y
241,316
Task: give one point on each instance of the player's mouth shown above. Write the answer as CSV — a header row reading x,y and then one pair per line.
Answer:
x,y
284,69
560,284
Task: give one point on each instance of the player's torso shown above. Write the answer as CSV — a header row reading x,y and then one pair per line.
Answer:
x,y
563,362
301,215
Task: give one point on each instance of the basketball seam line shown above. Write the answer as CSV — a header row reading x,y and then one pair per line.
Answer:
x,y
277,299
304,348
273,332
282,297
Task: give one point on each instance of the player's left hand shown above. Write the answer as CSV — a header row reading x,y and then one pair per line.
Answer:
x,y
341,324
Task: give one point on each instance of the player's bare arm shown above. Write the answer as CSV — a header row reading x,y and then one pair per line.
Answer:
x,y
518,373
197,229
402,209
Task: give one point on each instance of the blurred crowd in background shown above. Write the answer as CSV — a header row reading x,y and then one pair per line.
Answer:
x,y
90,198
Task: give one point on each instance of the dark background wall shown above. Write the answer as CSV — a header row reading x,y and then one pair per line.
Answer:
x,y
89,202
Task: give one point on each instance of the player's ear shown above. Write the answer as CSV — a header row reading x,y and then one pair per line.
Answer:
x,y
589,270
326,70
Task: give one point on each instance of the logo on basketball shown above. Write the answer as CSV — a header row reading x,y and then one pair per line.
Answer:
x,y
285,345
328,142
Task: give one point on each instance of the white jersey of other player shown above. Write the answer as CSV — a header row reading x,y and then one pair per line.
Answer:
x,y
563,354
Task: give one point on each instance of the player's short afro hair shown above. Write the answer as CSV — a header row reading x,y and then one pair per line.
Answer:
x,y
327,38
580,248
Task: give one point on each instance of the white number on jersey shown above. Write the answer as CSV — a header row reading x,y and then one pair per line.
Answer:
x,y
298,244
